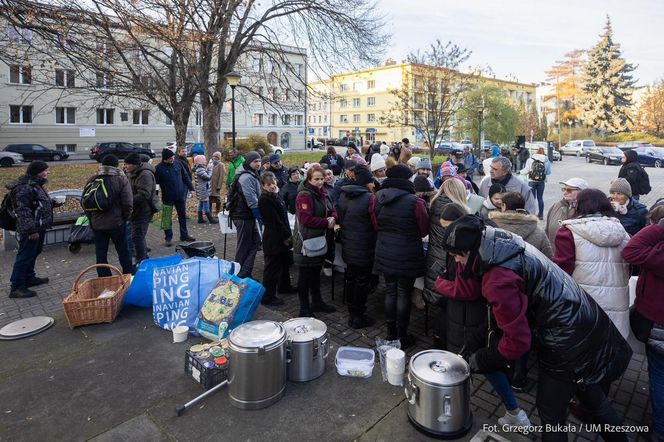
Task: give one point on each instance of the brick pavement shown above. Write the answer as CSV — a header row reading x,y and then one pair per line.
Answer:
x,y
629,394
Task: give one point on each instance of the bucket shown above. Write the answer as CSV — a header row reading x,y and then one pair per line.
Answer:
x,y
395,362
180,333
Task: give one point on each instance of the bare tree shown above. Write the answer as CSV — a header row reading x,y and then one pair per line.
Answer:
x,y
432,92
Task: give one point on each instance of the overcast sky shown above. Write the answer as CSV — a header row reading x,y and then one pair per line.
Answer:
x,y
525,38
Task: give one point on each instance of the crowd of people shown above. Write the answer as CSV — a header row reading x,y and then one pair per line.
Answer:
x,y
499,282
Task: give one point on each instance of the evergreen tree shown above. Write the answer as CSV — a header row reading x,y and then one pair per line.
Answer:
x,y
608,86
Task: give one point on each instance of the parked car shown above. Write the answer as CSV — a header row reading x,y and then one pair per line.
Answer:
x,y
466,143
8,159
533,147
33,152
118,148
577,147
650,156
633,145
448,147
604,155
280,150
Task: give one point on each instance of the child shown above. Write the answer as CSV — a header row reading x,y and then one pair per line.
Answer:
x,y
493,201
203,176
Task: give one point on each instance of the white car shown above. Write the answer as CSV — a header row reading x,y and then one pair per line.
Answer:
x,y
577,147
8,159
280,150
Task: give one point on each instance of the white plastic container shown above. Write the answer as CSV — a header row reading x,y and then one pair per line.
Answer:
x,y
396,364
355,361
180,333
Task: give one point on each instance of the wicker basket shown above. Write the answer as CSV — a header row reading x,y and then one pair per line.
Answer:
x,y
82,306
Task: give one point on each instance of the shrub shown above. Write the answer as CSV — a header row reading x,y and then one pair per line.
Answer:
x,y
247,144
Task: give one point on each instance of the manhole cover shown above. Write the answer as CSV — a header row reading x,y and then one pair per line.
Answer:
x,y
25,327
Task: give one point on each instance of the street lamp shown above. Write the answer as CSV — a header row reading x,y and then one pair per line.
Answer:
x,y
233,79
481,108
570,129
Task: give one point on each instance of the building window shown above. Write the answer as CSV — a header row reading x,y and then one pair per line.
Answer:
x,y
356,86
343,104
259,91
319,119
298,120
20,114
371,101
104,80
65,115
285,120
19,35
141,116
299,69
258,119
66,147
286,94
105,116
199,118
325,118
273,120
371,84
168,120
124,116
20,74
371,118
256,65
356,118
343,87
64,77
104,46
343,118
299,95
356,102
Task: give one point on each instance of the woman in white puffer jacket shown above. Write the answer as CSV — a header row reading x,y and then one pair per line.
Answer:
x,y
588,248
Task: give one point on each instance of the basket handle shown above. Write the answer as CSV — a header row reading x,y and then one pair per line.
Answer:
x,y
94,266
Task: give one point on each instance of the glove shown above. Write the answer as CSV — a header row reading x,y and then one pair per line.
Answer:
x,y
257,215
488,360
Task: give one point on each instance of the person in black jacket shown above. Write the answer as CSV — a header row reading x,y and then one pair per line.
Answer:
x,y
146,204
289,191
174,183
277,168
358,240
277,239
334,161
635,174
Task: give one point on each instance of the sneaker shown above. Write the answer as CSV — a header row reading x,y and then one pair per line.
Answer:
x,y
273,302
516,420
22,293
327,271
168,242
322,307
37,281
187,239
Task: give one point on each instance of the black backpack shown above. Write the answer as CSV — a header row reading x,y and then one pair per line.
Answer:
x,y
97,194
234,194
537,171
7,215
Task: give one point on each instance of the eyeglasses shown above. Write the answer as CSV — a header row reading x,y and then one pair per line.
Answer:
x,y
568,189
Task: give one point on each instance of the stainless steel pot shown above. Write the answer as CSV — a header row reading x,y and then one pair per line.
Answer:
x,y
307,348
257,364
438,393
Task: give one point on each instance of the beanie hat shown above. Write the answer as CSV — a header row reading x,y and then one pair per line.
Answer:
x,y
293,169
216,155
496,188
251,157
110,160
362,176
200,159
351,144
133,158
448,169
377,162
423,163
452,212
36,167
358,159
464,235
400,171
274,158
350,164
422,184
413,161
166,154
621,185
265,160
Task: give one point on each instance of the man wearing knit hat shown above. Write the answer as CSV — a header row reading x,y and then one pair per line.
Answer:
x,y
631,213
277,168
175,185
34,215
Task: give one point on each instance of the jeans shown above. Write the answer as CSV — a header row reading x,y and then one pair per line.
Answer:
x,y
203,207
181,207
537,188
273,273
501,384
130,240
358,285
119,238
397,301
553,396
248,244
24,266
656,380
308,281
139,229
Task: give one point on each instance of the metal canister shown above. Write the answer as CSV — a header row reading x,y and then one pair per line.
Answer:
x,y
308,347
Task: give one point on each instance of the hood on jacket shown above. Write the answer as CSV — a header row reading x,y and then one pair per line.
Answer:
x,y
523,224
26,179
109,170
390,195
354,190
498,246
141,168
603,231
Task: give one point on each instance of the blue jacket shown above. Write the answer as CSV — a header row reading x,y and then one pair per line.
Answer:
x,y
635,218
173,181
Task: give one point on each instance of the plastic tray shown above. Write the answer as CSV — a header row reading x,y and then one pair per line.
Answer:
x,y
355,361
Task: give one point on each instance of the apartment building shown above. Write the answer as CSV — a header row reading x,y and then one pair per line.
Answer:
x,y
319,110
46,102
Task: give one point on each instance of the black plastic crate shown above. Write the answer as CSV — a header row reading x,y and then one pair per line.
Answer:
x,y
208,377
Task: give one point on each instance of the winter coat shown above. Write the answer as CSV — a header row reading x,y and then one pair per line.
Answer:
x,y
32,205
336,190
486,209
358,234
275,220
232,168
646,250
250,190
288,194
402,221
512,184
529,164
173,182
475,203
436,256
598,267
313,208
203,177
281,174
635,218
122,202
560,211
143,189
525,226
523,154
217,181
186,165
575,339
334,162
637,177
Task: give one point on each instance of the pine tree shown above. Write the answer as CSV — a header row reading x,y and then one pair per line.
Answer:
x,y
608,86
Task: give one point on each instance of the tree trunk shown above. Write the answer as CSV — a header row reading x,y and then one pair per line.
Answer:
x,y
180,129
211,117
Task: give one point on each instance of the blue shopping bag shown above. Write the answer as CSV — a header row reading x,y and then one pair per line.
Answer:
x,y
139,293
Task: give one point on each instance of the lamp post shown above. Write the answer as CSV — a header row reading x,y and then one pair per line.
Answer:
x,y
570,129
233,79
481,108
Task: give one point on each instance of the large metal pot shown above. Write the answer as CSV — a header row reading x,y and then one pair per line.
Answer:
x,y
257,368
307,348
438,393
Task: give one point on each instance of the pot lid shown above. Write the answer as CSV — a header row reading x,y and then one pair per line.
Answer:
x,y
439,367
256,334
305,329
25,327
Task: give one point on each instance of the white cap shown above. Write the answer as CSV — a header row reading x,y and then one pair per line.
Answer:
x,y
578,183
413,161
377,162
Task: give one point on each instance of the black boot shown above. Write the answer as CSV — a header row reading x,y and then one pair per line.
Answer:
x,y
407,340
391,331
200,218
317,304
212,219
